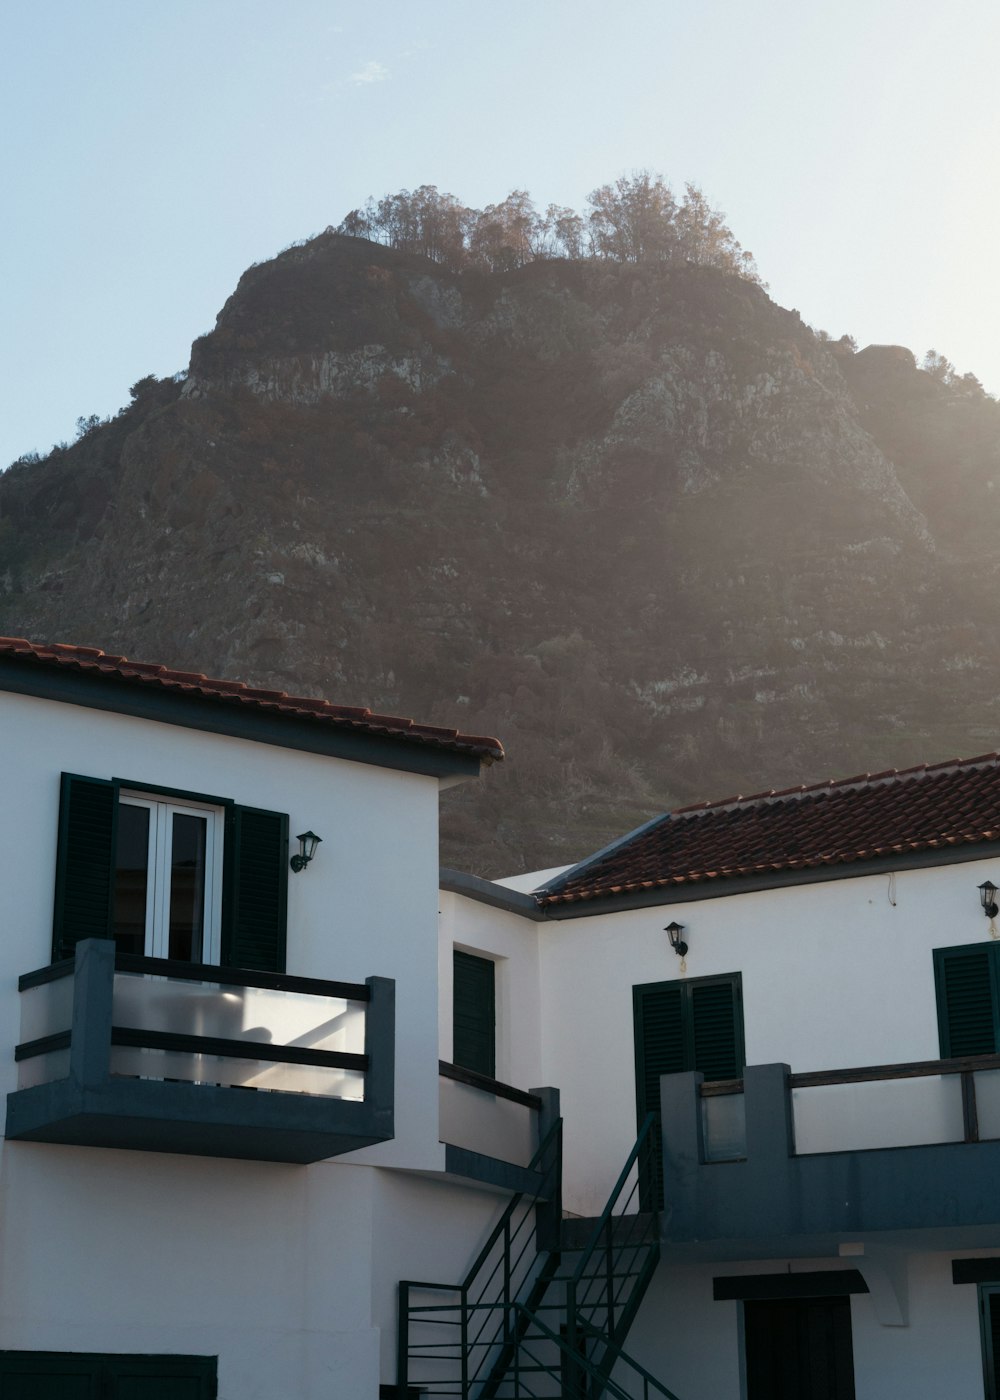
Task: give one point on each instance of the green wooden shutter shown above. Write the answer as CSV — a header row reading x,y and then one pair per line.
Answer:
x,y
967,999
85,862
716,1028
474,1018
255,889
682,1026
686,1025
659,1049
659,1030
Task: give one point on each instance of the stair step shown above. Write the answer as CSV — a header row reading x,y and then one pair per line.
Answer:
x,y
598,1278
577,1234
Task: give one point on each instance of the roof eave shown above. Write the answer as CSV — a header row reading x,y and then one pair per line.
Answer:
x,y
98,690
725,887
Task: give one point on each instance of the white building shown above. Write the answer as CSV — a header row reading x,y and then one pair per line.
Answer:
x,y
824,1062
245,1103
158,1221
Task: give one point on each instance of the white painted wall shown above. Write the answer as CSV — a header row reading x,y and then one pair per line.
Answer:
x,y
423,1230
686,1340
142,1252
532,879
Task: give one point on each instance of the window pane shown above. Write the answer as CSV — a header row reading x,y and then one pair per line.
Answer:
x,y
131,878
187,887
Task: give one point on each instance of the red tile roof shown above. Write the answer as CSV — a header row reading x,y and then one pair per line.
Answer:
x,y
192,683
889,814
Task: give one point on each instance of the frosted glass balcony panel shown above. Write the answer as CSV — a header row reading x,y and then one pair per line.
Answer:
x,y
43,1069
724,1127
988,1103
47,1009
140,1063
481,1122
882,1113
239,1013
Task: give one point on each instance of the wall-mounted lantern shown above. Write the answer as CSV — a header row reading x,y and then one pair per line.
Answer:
x,y
988,896
308,842
673,932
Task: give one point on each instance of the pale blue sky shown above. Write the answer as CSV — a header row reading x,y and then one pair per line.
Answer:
x,y
151,151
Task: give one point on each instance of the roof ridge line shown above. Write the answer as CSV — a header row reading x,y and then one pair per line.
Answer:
x,y
542,892
855,784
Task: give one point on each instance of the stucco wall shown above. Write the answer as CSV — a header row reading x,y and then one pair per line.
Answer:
x,y
142,1252
423,1230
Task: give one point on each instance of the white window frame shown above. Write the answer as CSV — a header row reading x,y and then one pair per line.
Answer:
x,y
161,813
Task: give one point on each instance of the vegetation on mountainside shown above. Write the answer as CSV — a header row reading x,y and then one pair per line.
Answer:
x,y
635,219
649,528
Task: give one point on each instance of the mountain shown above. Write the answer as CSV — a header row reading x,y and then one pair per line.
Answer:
x,y
639,521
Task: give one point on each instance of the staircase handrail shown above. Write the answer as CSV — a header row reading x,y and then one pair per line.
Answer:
x,y
583,1363
498,1229
592,1244
554,1135
468,1307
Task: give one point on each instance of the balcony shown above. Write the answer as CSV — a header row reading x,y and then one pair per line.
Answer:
x,y
492,1131
170,1057
781,1163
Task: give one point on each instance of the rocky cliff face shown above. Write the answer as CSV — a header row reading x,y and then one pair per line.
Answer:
x,y
641,524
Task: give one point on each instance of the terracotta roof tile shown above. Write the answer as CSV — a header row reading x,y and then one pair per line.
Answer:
x,y
353,717
896,812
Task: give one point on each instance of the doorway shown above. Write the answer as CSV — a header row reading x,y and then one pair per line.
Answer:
x,y
799,1349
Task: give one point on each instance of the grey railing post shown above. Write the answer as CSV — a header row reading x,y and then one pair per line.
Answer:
x,y
403,1341
464,1343
768,1112
680,1127
572,1371
380,1047
93,987
549,1111
970,1112
548,1214
770,1162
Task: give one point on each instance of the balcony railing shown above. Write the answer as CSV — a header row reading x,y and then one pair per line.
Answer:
x,y
488,1126
861,1110
145,1052
900,1146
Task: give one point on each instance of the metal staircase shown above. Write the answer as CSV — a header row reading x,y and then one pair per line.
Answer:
x,y
545,1309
